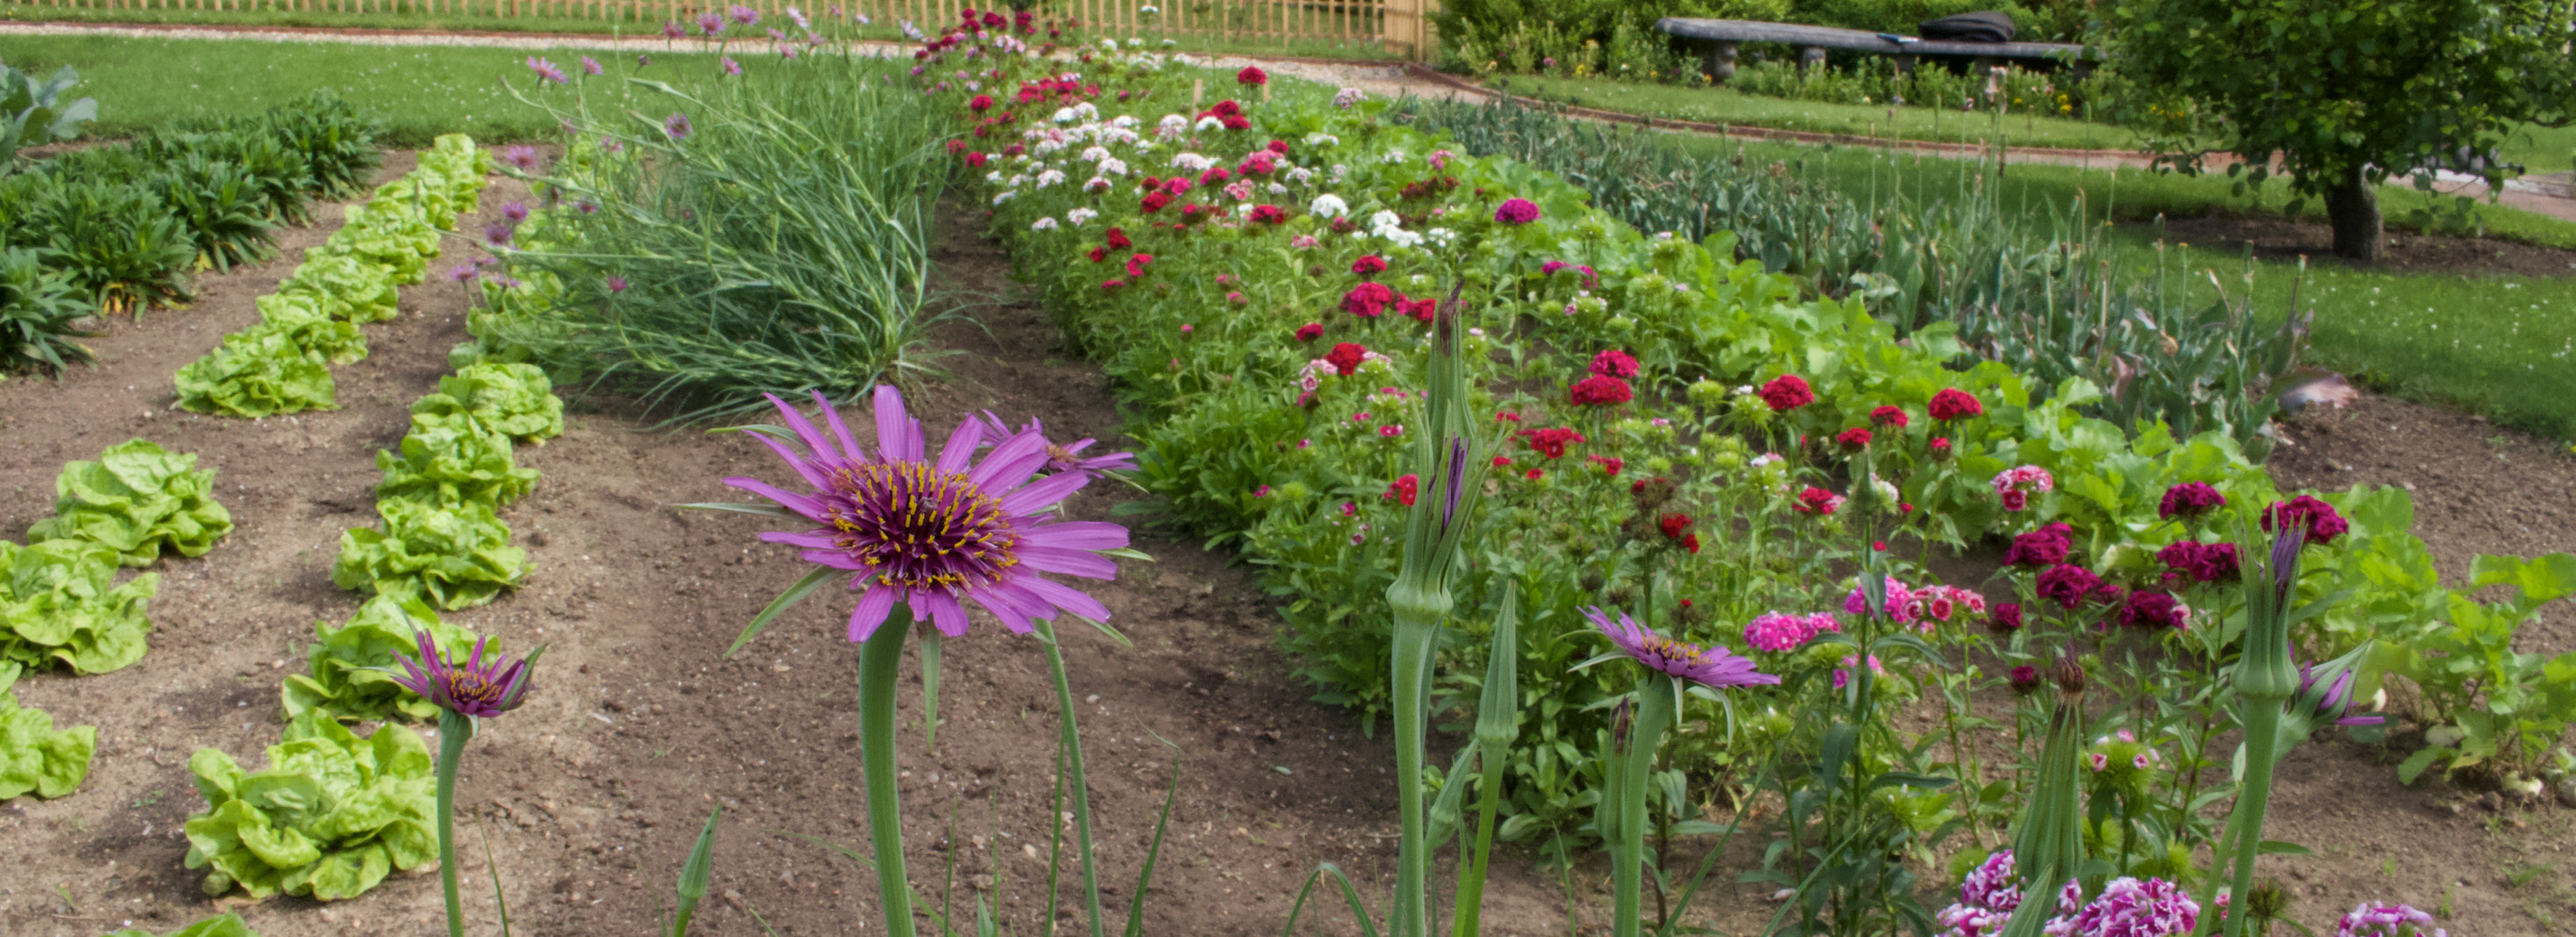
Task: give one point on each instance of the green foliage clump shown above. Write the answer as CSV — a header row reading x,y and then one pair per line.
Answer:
x,y
27,104
139,500
516,399
37,309
229,925
330,816
453,556
35,756
449,460
59,604
349,286
346,683
258,372
310,327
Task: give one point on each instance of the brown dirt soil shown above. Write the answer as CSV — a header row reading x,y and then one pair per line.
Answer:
x,y
2280,239
591,794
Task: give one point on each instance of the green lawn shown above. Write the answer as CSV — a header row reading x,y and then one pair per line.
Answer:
x,y
419,92
2541,149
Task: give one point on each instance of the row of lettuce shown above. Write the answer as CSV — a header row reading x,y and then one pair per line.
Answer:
x,y
61,606
121,228
282,364
440,545
1256,276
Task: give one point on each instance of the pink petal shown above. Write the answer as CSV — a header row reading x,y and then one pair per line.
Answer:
x,y
1043,493
836,559
1010,616
840,430
1068,562
1076,535
960,449
948,616
1066,597
807,467
871,611
1009,464
804,428
801,504
898,436
817,539
1028,604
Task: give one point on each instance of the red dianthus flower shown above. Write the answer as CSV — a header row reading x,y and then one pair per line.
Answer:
x,y
1615,363
1952,403
1346,357
1310,331
1888,416
1601,390
1787,392
1367,300
1855,438
1551,442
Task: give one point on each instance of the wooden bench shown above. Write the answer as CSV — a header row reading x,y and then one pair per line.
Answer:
x,y
1717,41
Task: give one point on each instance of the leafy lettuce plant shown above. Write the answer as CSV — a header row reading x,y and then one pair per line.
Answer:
x,y
453,556
351,287
35,756
330,816
511,398
451,460
137,499
59,604
308,326
257,373
345,682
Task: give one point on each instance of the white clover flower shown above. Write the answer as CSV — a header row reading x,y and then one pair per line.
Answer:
x,y
1081,215
1050,177
1043,224
1016,181
1400,237
1330,206
1113,166
1385,219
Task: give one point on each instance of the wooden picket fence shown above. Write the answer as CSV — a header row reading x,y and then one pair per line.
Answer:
x,y
1395,26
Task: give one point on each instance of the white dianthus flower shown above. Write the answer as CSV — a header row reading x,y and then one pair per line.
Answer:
x,y
1113,166
1004,196
1330,206
1081,216
1206,124
1043,224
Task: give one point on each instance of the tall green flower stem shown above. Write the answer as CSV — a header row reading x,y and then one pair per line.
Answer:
x,y
454,728
1420,598
1631,763
2049,847
1497,721
2266,678
880,661
1070,741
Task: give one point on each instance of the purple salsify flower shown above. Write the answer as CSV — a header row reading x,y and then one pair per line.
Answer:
x,y
498,234
473,687
522,156
676,126
2330,704
515,211
798,17
1713,667
787,52
643,60
546,71
590,66
1457,481
1067,457
616,284
776,36
930,531
710,24
461,272
612,145
731,67
745,15
672,30
587,206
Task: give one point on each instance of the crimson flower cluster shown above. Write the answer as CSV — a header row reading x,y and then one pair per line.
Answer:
x,y
2320,518
1787,392
1346,357
2190,499
2200,562
1890,416
1954,404
1404,489
2047,546
1551,442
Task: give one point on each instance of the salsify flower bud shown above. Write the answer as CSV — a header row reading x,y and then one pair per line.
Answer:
x,y
2068,674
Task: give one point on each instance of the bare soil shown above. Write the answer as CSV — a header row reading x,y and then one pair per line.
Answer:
x,y
591,795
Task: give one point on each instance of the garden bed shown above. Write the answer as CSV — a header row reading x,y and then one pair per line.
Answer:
x,y
591,793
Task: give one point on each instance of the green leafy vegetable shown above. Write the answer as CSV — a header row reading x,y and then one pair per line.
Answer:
x,y
58,604
230,925
308,326
455,556
330,817
350,287
137,499
343,687
257,373
449,460
513,398
35,756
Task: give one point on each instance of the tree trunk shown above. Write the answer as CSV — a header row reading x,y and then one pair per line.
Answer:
x,y
2353,209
